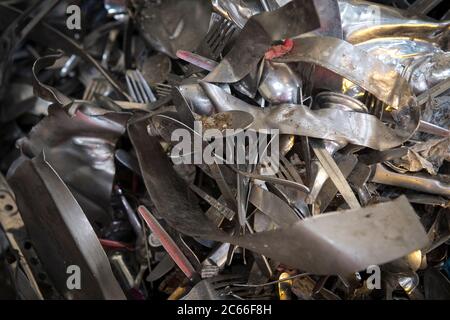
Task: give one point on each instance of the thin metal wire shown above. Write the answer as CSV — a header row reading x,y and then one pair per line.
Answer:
x,y
270,283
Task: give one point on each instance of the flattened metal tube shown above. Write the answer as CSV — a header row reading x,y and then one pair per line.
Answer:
x,y
428,185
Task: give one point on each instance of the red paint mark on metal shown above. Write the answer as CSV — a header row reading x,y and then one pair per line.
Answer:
x,y
279,50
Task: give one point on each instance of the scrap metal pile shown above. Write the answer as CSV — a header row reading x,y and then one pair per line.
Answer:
x,y
348,199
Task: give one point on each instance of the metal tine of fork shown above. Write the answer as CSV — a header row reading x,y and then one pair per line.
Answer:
x,y
225,39
163,90
131,86
146,88
230,32
164,87
223,36
216,38
212,33
218,33
137,91
374,105
138,87
214,42
378,108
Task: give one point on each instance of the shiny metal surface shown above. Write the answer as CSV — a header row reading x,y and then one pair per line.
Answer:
x,y
422,63
56,214
369,73
42,90
369,219
323,123
218,257
330,25
279,84
330,19
329,99
297,17
196,97
78,146
218,205
327,189
347,98
197,60
355,65
115,7
305,236
269,204
173,25
163,267
324,184
335,174
238,11
433,92
429,185
362,21
138,87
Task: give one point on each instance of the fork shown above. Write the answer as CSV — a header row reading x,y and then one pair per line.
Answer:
x,y
216,39
163,90
295,198
138,87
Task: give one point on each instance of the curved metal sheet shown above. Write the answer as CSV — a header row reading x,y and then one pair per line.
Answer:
x,y
61,233
364,20
331,26
331,124
172,25
80,147
355,65
42,90
336,243
364,70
